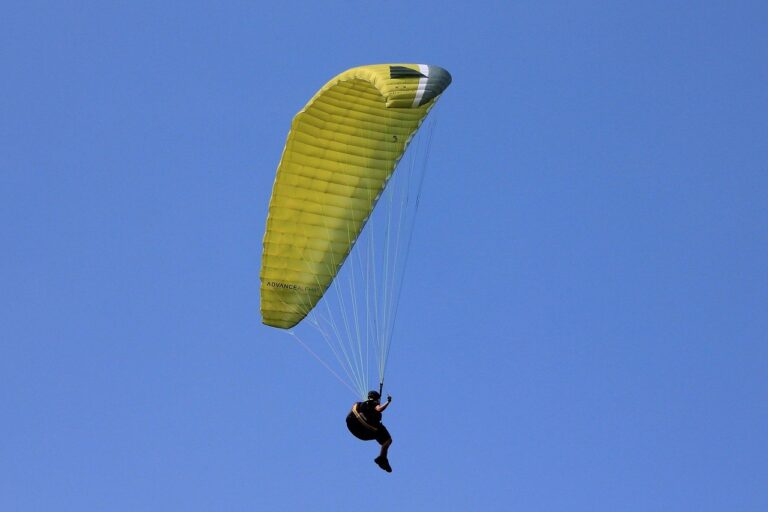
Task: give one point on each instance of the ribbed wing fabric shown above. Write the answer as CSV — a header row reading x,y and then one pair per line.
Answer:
x,y
342,148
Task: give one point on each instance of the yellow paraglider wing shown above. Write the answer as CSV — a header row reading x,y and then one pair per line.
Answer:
x,y
340,152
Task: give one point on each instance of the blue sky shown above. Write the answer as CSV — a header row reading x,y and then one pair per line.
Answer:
x,y
584,324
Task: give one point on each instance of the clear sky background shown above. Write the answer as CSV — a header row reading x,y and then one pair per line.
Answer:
x,y
585,321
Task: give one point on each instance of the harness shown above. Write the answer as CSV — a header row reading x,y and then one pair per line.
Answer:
x,y
363,420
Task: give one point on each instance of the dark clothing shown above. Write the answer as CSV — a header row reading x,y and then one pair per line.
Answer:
x,y
364,421
368,410
382,436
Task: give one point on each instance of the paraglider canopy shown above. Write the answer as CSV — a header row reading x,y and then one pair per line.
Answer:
x,y
341,150
339,158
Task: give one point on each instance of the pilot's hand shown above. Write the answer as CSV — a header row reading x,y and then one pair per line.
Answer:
x,y
389,398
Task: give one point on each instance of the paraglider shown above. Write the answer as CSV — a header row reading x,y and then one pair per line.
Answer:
x,y
339,158
364,422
